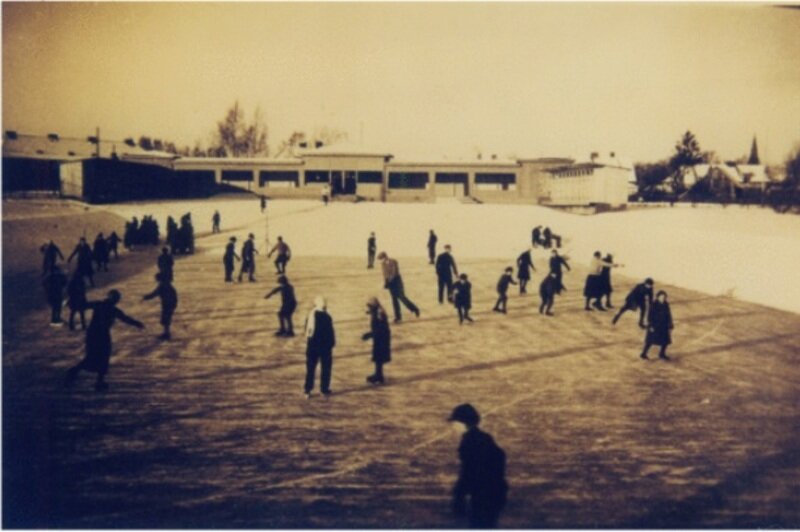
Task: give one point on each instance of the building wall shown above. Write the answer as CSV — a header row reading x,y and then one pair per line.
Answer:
x,y
71,177
602,185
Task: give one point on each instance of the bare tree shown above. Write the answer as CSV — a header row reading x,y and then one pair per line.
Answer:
x,y
236,138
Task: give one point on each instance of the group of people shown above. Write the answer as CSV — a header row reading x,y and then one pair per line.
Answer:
x,y
545,238
181,238
140,234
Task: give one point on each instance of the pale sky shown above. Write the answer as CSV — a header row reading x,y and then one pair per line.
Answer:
x,y
419,80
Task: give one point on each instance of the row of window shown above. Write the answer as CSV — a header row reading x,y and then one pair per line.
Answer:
x,y
574,173
396,179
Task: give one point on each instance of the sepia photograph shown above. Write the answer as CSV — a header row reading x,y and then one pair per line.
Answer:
x,y
400,265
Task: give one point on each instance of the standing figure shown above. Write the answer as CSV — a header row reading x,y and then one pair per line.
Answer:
x,y
84,253
554,238
228,258
131,230
51,255
173,238
605,280
169,301
593,289
536,236
284,254
548,290
325,194
372,246
462,298
482,473
54,283
432,239
524,267
216,219
186,234
288,305
100,252
76,301
445,269
165,264
556,262
320,341
547,238
502,290
113,244
249,253
659,326
381,336
98,339
641,297
263,203
394,283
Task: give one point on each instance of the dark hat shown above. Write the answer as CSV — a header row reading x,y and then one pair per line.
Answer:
x,y
465,413
649,280
382,255
252,235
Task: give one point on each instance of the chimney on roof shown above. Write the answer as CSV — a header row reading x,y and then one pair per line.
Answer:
x,y
318,144
612,155
11,134
594,156
130,142
494,156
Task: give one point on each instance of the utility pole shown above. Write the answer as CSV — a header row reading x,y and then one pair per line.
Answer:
x,y
97,136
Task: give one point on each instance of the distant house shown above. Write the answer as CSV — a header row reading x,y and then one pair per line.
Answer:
x,y
730,180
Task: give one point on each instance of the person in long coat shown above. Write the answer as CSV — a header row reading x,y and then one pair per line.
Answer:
x,y
113,244
432,239
169,302
321,339
548,290
166,263
445,269
536,236
659,326
524,267
54,283
84,253
605,287
76,301
372,247
593,289
51,254
98,339
228,258
556,262
288,306
462,298
641,297
100,252
381,336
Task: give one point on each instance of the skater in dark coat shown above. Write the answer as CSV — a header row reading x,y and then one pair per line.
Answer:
x,y
593,289
556,262
641,297
502,290
51,255
84,253
445,269
394,283
263,203
76,301
381,336
548,290
215,220
249,253
169,302
100,253
659,326
536,236
481,477
432,239
284,254
113,244
605,279
98,338
372,247
524,267
288,306
54,283
166,264
321,339
462,298
228,258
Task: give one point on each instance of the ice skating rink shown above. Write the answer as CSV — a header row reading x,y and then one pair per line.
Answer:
x,y
212,429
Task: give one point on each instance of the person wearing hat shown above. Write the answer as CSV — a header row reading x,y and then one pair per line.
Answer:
x,y
381,336
462,298
320,341
641,297
659,326
98,339
228,258
169,301
445,269
249,253
481,477
288,306
394,283
284,254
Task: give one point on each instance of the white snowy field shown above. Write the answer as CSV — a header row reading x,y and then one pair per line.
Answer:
x,y
747,253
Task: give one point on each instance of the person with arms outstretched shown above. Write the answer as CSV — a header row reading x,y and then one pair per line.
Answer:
x,y
169,302
288,306
394,283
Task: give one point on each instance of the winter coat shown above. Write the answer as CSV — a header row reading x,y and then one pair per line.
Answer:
x,y
98,335
549,288
462,294
323,340
381,336
446,266
638,296
76,293
483,467
503,282
54,284
524,266
660,324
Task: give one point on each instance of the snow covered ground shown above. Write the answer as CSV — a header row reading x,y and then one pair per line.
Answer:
x,y
750,254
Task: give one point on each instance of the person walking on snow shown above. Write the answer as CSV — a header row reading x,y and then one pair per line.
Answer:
x,y
548,290
215,220
381,336
169,302
432,239
445,269
372,247
394,283
462,298
524,267
228,259
284,254
502,290
320,341
249,252
288,306
659,327
76,301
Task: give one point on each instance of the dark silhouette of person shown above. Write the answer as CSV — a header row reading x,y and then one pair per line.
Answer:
x,y
173,235
284,254
185,234
84,254
524,267
462,298
536,236
556,262
445,269
548,290
249,253
502,290
113,244
169,302
54,283
100,253
641,297
481,477
51,255
593,289
393,282
216,219
605,279
76,301
263,203
549,237
166,264
288,306
659,326
228,259
432,239
372,247
381,335
98,339
320,341
129,237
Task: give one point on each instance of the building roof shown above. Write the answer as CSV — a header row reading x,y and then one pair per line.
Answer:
x,y
66,149
245,162
490,163
344,150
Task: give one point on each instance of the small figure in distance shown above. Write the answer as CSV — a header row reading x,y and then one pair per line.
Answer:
x,y
372,247
215,220
228,259
524,267
169,302
432,239
54,283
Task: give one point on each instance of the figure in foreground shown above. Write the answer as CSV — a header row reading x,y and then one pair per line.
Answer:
x,y
381,336
320,341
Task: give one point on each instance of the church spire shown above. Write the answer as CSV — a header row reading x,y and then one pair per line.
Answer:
x,y
754,153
